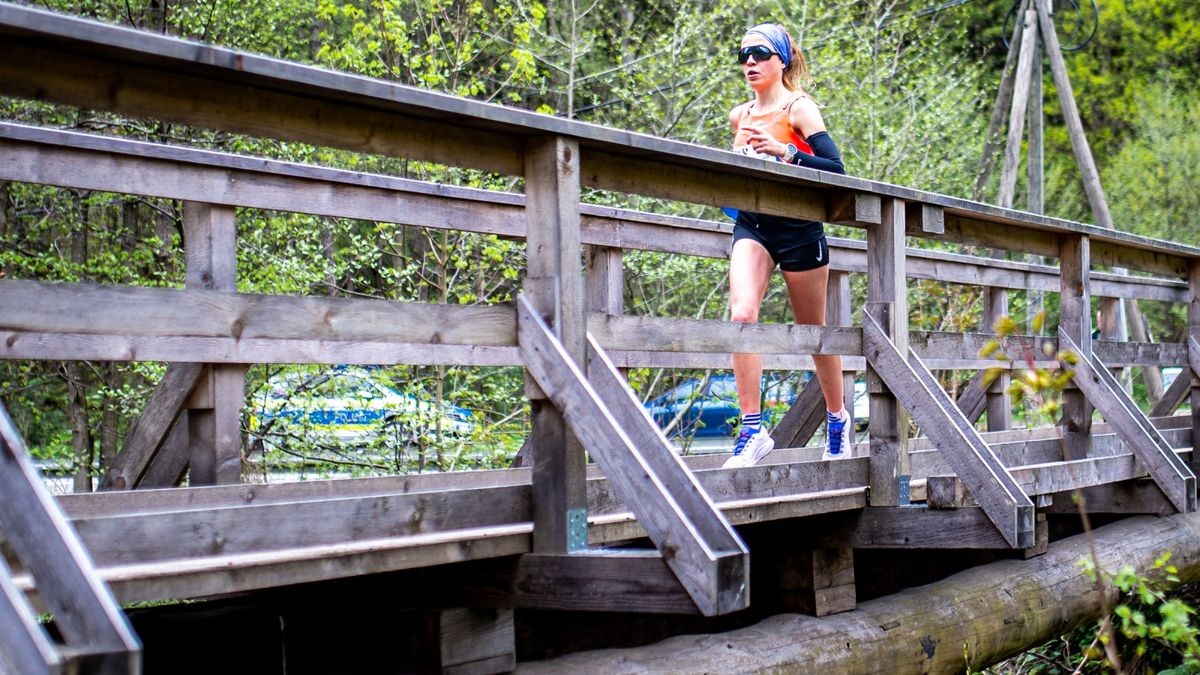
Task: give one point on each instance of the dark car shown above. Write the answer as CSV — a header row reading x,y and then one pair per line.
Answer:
x,y
710,409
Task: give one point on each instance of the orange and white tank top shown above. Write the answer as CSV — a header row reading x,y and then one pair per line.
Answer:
x,y
776,122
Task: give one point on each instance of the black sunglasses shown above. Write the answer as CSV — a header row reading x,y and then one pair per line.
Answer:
x,y
759,52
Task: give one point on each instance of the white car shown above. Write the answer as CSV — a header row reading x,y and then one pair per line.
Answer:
x,y
349,406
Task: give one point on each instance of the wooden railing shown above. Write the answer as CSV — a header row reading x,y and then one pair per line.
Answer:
x,y
569,330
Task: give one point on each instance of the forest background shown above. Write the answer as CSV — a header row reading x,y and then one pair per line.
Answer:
x,y
906,87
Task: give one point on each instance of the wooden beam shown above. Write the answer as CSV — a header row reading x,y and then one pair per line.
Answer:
x,y
971,459
920,527
24,645
972,398
554,286
803,418
715,336
32,525
1129,497
714,577
1179,390
887,302
170,464
473,641
1016,116
215,457
999,404
1102,389
815,581
924,219
150,430
1193,346
1076,321
598,580
857,208
991,141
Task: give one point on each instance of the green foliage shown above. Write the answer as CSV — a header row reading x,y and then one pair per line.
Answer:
x,y
1037,390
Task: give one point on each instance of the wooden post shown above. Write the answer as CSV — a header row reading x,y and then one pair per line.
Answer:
x,y
210,237
554,286
1016,117
888,303
605,281
1087,168
1193,353
1003,98
999,406
476,641
1036,189
817,581
1075,305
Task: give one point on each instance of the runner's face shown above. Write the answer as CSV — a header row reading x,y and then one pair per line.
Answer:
x,y
761,74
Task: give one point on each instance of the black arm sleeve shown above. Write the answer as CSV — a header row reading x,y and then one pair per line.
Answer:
x,y
825,155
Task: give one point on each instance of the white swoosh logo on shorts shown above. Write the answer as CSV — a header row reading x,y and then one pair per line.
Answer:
x,y
819,254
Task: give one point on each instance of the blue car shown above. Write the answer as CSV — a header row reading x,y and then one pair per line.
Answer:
x,y
710,409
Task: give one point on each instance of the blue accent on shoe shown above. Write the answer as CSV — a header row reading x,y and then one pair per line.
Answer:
x,y
742,439
832,417
835,435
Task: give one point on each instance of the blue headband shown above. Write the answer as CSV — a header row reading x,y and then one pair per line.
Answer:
x,y
778,39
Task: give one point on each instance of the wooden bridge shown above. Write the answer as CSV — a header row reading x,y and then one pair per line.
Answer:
x,y
559,535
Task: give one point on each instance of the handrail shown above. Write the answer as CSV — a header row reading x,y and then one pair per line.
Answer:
x,y
86,63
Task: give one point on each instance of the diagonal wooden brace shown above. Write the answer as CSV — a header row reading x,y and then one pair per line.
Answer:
x,y
1009,509
1103,390
697,543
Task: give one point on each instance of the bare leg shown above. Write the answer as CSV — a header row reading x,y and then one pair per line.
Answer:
x,y
806,290
750,268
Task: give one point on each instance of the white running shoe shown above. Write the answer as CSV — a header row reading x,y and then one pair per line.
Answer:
x,y
750,448
839,436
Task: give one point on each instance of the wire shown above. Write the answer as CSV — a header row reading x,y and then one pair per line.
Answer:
x,y
1078,23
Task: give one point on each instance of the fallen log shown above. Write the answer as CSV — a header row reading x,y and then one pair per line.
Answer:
x,y
974,618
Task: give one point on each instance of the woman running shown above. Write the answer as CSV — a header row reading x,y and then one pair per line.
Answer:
x,y
782,123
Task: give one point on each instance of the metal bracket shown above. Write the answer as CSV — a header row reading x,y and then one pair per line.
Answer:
x,y
577,535
903,497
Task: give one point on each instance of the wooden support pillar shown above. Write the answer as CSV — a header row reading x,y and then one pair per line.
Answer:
x,y
1003,99
214,420
1016,117
838,313
1036,188
1108,321
817,581
999,405
887,302
605,281
1076,321
1194,347
474,641
554,285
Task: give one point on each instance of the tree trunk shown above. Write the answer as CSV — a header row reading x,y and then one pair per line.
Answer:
x,y
81,432
972,619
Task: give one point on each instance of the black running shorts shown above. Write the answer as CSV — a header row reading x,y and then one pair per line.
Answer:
x,y
794,245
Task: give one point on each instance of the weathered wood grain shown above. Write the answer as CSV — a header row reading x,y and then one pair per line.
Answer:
x,y
887,301
34,527
150,430
971,458
699,568
24,645
1103,390
554,285
965,621
601,580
